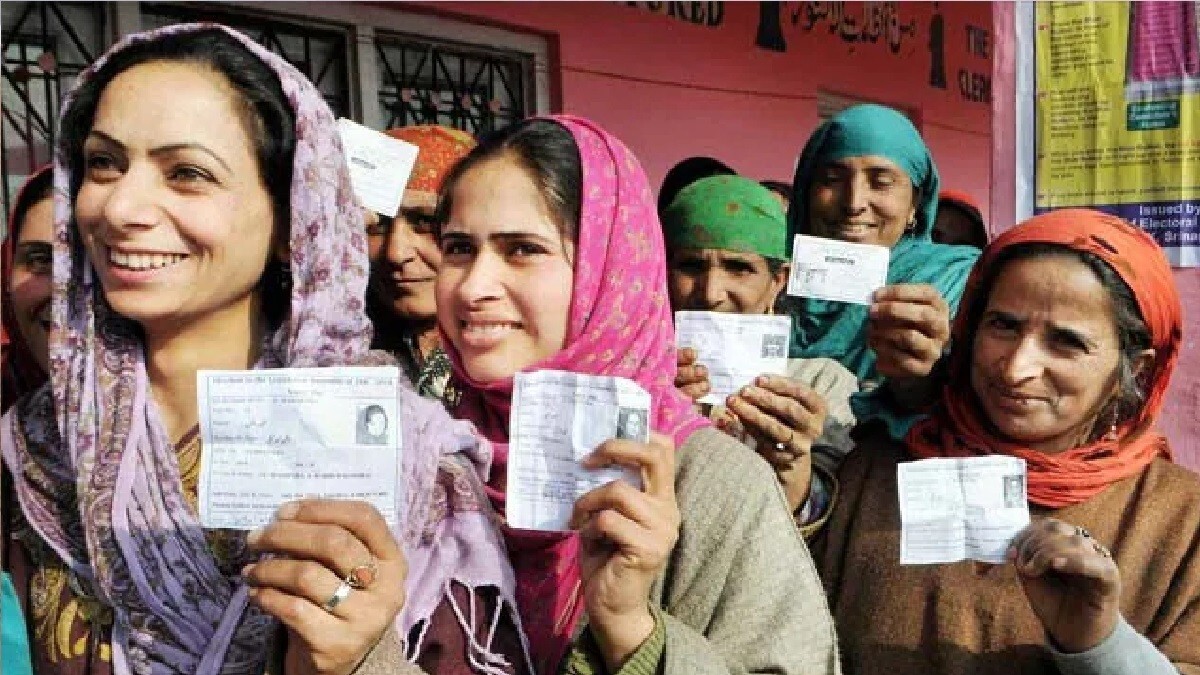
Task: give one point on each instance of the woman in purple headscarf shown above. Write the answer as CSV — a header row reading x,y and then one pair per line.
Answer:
x,y
204,220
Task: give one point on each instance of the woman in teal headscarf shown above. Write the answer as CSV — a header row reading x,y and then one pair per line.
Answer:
x,y
866,176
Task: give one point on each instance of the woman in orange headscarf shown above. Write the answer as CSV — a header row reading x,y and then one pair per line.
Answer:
x,y
959,220
1070,331
26,287
405,259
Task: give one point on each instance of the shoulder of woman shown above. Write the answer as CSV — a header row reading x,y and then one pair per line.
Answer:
x,y
33,417
940,265
428,419
712,468
873,450
823,374
1175,488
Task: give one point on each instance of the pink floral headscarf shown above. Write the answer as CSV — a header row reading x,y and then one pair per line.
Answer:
x,y
620,325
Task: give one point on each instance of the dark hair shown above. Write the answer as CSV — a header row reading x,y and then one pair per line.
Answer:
x,y
266,115
548,152
972,214
38,187
374,409
685,173
778,187
1132,334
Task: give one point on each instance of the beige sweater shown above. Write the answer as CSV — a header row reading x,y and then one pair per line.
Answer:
x,y
740,592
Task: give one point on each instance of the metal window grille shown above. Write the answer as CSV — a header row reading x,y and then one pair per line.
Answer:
x,y
472,88
46,45
320,52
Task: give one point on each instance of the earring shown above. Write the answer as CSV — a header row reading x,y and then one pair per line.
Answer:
x,y
285,277
911,226
1112,436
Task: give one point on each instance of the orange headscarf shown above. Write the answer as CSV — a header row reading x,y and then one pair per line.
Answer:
x,y
440,149
959,197
957,428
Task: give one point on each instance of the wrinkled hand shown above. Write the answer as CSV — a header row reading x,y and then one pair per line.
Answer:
x,y
1071,582
691,378
908,329
317,543
626,535
784,417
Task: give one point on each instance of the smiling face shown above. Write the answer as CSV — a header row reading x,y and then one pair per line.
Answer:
x,y
865,199
405,259
504,288
717,280
1045,354
30,278
173,209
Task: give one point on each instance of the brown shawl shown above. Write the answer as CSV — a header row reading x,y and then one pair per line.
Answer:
x,y
974,618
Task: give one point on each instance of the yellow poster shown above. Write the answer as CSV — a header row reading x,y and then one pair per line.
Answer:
x,y
1117,104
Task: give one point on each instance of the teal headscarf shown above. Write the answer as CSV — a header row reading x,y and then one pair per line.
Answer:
x,y
14,637
838,330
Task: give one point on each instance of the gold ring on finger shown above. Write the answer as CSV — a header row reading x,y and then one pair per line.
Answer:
x,y
362,576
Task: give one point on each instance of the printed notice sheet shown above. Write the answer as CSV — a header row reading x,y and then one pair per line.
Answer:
x,y
955,509
379,166
273,436
736,348
828,269
557,419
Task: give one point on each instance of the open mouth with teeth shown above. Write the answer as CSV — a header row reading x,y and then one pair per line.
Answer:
x,y
141,262
486,328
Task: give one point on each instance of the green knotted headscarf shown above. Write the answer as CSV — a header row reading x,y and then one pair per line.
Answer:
x,y
731,213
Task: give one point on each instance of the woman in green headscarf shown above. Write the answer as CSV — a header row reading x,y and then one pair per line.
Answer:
x,y
726,239
726,243
866,176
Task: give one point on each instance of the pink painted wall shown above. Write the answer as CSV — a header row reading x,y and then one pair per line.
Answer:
x,y
671,89
1180,420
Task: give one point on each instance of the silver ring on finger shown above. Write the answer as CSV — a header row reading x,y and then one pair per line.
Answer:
x,y
786,445
343,591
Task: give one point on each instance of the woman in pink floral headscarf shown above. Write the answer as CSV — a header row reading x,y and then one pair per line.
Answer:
x,y
552,258
215,228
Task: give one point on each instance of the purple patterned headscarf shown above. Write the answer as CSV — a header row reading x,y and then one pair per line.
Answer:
x,y
96,474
